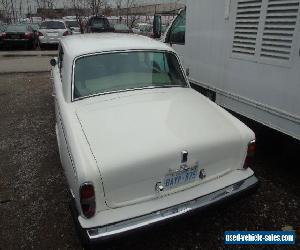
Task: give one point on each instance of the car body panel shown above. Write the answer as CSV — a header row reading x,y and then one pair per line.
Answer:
x,y
52,36
19,35
111,216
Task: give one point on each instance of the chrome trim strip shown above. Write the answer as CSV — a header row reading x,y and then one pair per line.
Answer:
x,y
128,90
146,220
120,91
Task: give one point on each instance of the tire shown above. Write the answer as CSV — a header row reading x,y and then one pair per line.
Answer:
x,y
33,46
30,46
42,46
79,230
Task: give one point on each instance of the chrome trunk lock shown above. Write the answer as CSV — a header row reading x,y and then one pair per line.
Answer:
x,y
159,187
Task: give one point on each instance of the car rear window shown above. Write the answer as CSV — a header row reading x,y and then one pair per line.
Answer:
x,y
120,71
121,27
74,24
17,28
100,23
52,25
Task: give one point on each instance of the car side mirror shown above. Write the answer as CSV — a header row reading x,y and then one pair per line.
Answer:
x,y
53,62
157,26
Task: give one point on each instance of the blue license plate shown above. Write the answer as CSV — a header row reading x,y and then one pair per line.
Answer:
x,y
180,178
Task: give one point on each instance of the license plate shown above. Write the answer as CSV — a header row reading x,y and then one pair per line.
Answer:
x,y
180,178
52,34
14,36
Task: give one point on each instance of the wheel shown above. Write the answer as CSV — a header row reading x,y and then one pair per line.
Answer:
x,y
30,46
79,230
33,45
42,46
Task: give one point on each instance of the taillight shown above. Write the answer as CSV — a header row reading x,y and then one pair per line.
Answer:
x,y
4,35
66,33
40,34
28,35
87,200
250,155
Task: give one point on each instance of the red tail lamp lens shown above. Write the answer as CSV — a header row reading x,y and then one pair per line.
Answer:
x,y
87,191
66,33
28,35
87,200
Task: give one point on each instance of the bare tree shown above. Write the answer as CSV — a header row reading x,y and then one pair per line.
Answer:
x,y
127,5
13,11
97,5
5,6
45,4
78,6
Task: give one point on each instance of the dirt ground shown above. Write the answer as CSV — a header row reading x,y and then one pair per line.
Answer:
x,y
34,212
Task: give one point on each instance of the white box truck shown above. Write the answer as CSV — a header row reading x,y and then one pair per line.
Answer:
x,y
245,55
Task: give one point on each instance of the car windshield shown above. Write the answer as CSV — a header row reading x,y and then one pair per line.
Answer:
x,y
16,28
72,24
52,25
124,71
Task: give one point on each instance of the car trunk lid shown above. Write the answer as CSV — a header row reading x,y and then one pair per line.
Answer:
x,y
138,140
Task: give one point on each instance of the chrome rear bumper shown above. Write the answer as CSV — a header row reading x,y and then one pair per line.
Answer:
x,y
237,189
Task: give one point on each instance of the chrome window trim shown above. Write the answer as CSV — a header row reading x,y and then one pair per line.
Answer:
x,y
125,90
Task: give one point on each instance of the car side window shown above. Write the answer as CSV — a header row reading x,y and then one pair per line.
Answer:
x,y
177,32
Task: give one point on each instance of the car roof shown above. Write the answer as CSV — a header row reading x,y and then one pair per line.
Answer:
x,y
54,20
83,44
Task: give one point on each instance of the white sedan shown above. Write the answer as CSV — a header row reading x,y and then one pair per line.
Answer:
x,y
138,145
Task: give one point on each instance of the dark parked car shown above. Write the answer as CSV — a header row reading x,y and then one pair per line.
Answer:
x,y
19,35
98,24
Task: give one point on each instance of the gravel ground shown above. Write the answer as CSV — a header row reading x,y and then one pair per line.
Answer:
x,y
34,211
